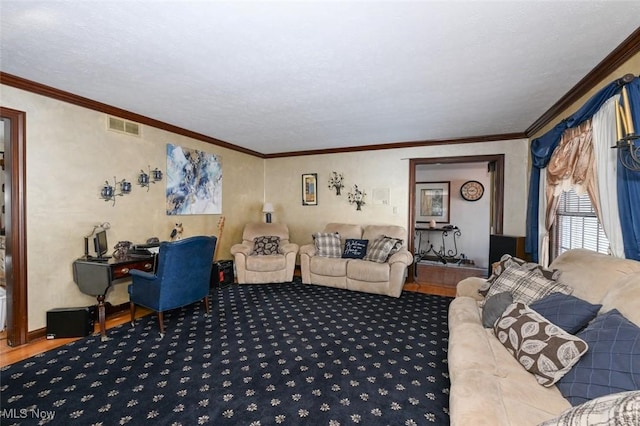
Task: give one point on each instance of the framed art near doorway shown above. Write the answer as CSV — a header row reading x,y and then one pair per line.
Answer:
x,y
432,202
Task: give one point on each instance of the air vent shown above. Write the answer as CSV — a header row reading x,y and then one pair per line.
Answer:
x,y
123,126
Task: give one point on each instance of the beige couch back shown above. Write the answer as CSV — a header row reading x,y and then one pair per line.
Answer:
x,y
598,278
259,229
368,232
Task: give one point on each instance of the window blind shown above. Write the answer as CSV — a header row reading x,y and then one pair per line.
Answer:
x,y
577,225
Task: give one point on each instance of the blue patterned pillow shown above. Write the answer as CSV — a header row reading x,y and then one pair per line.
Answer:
x,y
355,249
566,311
612,363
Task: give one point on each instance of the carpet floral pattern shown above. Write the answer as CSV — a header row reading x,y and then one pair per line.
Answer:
x,y
268,355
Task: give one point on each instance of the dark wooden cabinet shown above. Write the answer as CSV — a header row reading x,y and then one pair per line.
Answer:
x,y
447,275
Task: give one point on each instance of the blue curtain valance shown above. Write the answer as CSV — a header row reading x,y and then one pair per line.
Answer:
x,y
543,147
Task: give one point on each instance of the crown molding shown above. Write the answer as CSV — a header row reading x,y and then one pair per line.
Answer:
x,y
61,95
400,145
627,49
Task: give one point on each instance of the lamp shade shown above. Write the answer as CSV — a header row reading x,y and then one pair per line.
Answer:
x,y
267,208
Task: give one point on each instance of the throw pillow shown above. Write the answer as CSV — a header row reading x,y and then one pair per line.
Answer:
x,y
397,245
508,260
566,311
494,308
612,364
266,246
355,249
616,409
525,286
327,244
543,349
379,250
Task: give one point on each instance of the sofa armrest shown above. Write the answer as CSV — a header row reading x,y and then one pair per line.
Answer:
x,y
289,248
242,248
308,249
469,287
403,256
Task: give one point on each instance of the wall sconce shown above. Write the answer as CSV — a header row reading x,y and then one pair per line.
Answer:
x,y
335,181
357,197
628,142
267,209
108,191
144,179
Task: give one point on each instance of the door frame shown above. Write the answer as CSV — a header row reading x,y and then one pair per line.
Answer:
x,y
495,163
15,227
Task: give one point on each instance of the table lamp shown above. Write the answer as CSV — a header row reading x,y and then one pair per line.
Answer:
x,y
267,208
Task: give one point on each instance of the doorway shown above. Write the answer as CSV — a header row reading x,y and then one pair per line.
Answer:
x,y
495,192
14,132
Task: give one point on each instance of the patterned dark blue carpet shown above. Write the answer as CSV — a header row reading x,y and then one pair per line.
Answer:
x,y
268,354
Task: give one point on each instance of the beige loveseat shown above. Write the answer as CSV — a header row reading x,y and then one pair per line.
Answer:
x,y
488,385
356,274
259,269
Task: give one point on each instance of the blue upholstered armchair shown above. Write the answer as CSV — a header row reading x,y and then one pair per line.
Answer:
x,y
182,277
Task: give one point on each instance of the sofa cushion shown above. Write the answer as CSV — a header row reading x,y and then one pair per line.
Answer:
x,y
362,270
525,285
379,250
612,364
494,307
327,244
329,267
266,245
616,409
543,349
506,261
266,263
566,311
355,249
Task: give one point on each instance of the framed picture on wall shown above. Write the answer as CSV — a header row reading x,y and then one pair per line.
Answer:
x,y
310,189
432,202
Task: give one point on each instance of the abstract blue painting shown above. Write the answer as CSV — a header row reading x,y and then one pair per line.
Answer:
x,y
194,181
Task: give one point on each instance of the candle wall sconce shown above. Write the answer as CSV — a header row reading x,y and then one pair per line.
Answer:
x,y
628,142
356,196
335,181
144,179
108,191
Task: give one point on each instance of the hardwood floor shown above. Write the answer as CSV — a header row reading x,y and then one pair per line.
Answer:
x,y
431,288
10,355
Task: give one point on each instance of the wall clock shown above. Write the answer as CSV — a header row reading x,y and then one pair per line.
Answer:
x,y
472,190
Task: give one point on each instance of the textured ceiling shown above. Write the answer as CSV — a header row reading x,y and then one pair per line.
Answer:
x,y
278,76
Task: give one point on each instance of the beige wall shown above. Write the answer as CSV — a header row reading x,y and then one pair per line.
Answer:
x,y
380,169
69,156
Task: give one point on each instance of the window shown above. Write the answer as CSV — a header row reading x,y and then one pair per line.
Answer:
x,y
577,226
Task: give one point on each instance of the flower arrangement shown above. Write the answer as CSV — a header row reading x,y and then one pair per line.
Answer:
x,y
335,181
357,197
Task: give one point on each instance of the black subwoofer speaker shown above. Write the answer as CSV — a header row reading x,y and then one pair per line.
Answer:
x,y
222,273
500,245
70,322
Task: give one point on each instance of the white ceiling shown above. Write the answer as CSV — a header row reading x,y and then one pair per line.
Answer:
x,y
280,76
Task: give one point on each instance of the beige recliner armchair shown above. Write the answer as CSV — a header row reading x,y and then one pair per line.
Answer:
x,y
265,254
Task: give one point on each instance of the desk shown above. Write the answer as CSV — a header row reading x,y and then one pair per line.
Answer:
x,y
96,278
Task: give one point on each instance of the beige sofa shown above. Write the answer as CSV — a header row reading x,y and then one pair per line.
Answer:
x,y
257,269
488,385
356,274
